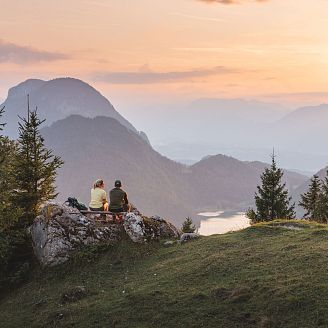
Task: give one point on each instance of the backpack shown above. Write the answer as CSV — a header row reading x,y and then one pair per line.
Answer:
x,y
73,202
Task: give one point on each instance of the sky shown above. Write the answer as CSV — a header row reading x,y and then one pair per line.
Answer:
x,y
143,52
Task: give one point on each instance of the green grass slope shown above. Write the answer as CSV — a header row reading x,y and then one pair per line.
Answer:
x,y
264,276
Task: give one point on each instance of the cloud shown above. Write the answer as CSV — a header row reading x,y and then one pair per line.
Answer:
x,y
10,52
231,2
146,76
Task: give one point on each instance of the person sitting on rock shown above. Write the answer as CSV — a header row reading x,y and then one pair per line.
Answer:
x,y
98,197
118,199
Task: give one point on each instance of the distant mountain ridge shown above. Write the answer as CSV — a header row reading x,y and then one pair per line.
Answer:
x,y
102,148
101,143
306,126
249,130
55,100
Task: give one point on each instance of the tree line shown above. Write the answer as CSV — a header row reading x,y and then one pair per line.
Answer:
x,y
27,179
272,200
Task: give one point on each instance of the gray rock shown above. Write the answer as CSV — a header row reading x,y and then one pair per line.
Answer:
x,y
188,236
157,218
142,229
134,227
168,230
59,229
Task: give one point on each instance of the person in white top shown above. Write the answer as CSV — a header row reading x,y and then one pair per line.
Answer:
x,y
98,197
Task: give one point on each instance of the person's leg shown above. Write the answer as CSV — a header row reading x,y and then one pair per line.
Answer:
x,y
100,209
117,216
126,208
116,210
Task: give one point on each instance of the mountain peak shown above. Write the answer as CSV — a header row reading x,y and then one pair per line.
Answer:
x,y
24,88
56,99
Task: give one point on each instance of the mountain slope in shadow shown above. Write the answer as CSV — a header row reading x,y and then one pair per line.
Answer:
x,y
103,148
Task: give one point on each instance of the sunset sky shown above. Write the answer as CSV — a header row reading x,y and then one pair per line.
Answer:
x,y
148,51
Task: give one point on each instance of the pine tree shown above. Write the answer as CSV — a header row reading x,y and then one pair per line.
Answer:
x,y
35,168
188,226
9,212
272,200
322,215
310,200
2,125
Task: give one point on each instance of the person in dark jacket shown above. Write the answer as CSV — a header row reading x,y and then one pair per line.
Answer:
x,y
118,199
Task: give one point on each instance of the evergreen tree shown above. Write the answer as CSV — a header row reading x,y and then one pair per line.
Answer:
x,y
323,201
188,226
310,200
8,211
35,168
272,200
2,125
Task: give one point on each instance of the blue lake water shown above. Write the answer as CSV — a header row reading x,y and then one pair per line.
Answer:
x,y
222,222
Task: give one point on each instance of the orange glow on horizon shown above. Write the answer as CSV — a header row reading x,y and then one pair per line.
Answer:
x,y
169,47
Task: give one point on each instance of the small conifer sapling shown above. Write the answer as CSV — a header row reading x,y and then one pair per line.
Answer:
x,y
188,226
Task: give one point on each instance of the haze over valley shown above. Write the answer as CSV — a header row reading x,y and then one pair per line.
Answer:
x,y
95,140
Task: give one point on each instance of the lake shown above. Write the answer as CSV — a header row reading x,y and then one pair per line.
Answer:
x,y
222,222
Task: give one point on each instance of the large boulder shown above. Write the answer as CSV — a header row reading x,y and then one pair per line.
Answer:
x,y
142,229
59,229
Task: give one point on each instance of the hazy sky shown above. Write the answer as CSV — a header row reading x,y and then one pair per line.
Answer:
x,y
143,51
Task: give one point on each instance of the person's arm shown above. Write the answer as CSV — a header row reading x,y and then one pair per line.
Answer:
x,y
105,202
126,199
105,197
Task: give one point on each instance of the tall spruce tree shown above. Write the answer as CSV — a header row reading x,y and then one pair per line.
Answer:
x,y
272,200
9,212
35,168
3,172
310,200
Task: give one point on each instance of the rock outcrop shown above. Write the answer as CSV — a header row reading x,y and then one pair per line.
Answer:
x,y
142,229
59,229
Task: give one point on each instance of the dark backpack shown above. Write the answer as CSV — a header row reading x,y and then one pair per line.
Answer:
x,y
73,202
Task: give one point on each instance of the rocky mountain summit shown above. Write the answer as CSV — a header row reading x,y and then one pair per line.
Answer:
x,y
60,229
